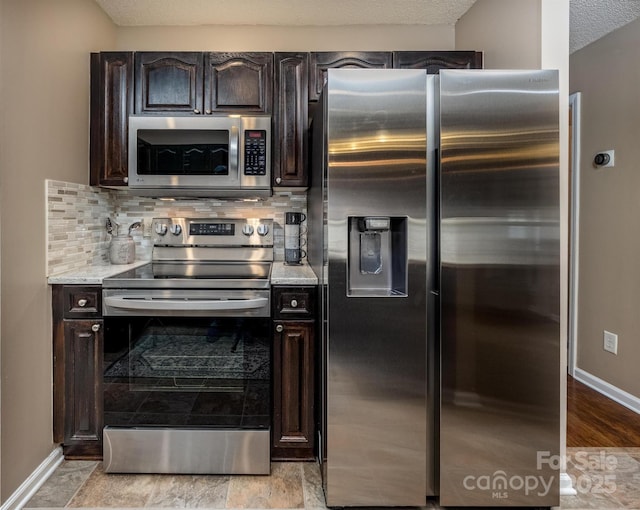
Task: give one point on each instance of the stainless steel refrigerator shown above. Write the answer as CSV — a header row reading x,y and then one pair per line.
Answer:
x,y
434,220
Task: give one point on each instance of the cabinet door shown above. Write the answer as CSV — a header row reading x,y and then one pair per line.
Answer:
x,y
169,82
238,82
83,388
290,119
319,62
293,430
433,61
111,105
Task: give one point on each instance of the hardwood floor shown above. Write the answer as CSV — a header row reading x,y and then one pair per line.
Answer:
x,y
594,420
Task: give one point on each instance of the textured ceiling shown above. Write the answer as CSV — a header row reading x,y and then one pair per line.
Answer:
x,y
590,19
285,12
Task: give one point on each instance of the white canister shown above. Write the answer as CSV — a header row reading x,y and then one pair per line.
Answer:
x,y
122,250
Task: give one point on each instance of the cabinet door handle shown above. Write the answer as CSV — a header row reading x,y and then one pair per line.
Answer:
x,y
95,328
294,303
82,303
208,112
125,180
196,111
279,328
278,180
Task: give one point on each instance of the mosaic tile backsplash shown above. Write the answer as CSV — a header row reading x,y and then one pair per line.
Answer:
x,y
77,215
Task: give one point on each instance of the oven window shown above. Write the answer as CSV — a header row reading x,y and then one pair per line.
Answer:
x,y
187,372
183,152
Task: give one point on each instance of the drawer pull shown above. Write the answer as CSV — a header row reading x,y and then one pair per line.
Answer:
x,y
294,303
82,303
279,328
95,328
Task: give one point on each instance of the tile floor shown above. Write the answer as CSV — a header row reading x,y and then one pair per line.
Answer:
x,y
84,484
605,478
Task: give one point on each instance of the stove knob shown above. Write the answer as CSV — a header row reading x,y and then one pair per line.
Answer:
x,y
248,229
176,230
263,229
161,229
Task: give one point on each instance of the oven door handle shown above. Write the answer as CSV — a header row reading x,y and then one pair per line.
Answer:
x,y
142,303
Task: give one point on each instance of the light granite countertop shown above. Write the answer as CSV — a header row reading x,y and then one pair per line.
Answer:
x,y
281,274
92,275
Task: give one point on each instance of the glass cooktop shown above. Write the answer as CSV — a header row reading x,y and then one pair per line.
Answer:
x,y
211,275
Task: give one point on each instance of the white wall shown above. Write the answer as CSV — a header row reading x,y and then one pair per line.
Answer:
x,y
45,49
508,31
606,73
280,38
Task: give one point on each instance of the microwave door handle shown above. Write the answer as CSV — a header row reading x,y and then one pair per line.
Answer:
x,y
234,141
141,303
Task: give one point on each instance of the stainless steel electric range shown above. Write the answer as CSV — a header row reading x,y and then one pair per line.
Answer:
x,y
187,351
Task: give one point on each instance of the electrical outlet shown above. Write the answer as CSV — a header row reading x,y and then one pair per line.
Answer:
x,y
610,342
146,228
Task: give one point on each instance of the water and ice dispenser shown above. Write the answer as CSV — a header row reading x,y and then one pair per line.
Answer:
x,y
377,265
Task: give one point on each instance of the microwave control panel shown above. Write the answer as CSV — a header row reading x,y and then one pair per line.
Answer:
x,y
255,152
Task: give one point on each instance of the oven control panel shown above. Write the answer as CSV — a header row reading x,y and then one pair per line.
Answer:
x,y
220,232
212,229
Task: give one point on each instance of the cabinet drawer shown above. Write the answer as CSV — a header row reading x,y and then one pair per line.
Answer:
x,y
82,302
294,302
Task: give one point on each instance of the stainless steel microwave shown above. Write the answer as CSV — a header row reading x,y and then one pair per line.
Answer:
x,y
213,156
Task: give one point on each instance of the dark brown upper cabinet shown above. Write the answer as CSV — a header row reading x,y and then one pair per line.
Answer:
x,y
290,120
319,62
111,105
203,83
236,82
169,82
433,61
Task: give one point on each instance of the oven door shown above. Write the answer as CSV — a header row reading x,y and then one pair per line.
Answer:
x,y
186,391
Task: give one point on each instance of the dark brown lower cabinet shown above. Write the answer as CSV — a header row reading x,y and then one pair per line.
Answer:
x,y
78,359
293,390
77,368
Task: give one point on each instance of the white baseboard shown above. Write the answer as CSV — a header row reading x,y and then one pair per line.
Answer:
x,y
35,480
566,487
609,390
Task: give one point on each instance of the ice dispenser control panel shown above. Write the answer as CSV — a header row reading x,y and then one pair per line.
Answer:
x,y
375,224
377,265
